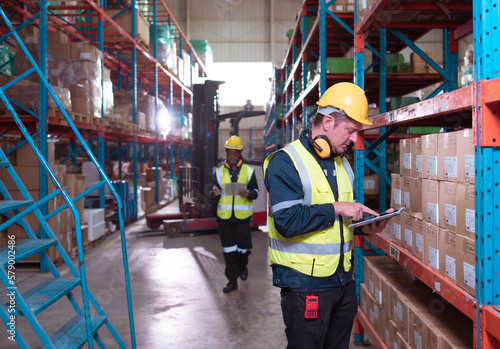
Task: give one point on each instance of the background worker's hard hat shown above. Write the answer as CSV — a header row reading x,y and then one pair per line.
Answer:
x,y
348,98
234,142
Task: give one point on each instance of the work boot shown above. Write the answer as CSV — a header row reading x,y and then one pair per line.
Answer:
x,y
230,287
244,274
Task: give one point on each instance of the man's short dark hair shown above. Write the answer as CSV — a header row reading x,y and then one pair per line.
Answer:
x,y
317,119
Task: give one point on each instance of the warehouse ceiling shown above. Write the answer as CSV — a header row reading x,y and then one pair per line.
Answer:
x,y
238,30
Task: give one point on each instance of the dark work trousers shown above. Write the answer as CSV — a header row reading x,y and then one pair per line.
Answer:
x,y
236,242
331,329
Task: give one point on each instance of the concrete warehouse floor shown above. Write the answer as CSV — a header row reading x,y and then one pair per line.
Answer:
x,y
177,294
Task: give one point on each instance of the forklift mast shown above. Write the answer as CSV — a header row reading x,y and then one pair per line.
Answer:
x,y
205,144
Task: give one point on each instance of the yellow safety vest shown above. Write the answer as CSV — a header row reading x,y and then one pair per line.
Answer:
x,y
323,245
243,207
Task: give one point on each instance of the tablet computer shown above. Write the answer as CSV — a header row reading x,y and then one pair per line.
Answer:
x,y
373,219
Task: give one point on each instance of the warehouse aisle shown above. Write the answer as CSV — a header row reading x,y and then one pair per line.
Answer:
x,y
177,293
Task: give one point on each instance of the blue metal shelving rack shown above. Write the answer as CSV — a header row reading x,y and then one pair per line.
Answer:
x,y
83,327
484,309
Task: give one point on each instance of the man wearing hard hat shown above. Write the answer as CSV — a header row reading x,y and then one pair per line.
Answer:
x,y
234,211
311,199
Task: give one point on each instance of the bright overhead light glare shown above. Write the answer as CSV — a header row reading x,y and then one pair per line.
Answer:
x,y
164,121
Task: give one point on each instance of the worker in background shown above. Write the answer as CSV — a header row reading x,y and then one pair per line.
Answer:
x,y
310,185
234,211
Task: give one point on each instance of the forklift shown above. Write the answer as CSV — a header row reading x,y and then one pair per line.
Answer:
x,y
197,210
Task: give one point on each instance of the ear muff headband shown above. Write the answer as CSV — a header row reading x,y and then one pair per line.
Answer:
x,y
240,162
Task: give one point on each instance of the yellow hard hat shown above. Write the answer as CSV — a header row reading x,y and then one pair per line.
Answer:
x,y
234,142
349,98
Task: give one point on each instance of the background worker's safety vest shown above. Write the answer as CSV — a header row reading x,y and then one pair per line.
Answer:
x,y
325,245
243,208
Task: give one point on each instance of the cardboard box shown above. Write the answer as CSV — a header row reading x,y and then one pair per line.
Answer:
x,y
29,34
448,254
447,202
417,334
401,342
430,163
405,156
371,184
396,191
430,201
416,157
412,195
431,245
465,156
364,298
27,158
447,156
151,174
87,71
420,66
407,238
84,51
418,228
391,333
466,264
124,20
62,50
466,209
396,229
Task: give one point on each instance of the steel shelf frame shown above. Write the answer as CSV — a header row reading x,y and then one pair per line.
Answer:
x,y
472,106
132,69
46,234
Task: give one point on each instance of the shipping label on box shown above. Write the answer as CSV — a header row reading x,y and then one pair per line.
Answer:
x,y
466,213
396,191
430,201
447,202
431,246
465,156
447,145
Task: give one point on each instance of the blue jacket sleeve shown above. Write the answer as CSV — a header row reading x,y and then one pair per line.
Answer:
x,y
292,218
253,187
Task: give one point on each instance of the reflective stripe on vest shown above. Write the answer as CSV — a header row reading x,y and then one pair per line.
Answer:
x,y
325,246
243,208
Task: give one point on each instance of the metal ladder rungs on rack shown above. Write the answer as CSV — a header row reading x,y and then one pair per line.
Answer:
x,y
9,205
47,293
25,249
73,335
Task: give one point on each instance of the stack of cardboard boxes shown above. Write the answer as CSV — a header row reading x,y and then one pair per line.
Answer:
x,y
73,71
436,184
406,313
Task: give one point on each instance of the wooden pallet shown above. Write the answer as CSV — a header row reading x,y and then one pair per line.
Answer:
x,y
84,119
57,114
99,121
